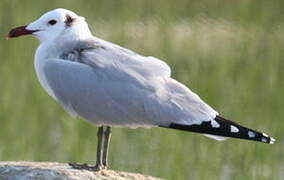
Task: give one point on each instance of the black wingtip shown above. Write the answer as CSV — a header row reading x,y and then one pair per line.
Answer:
x,y
223,127
245,133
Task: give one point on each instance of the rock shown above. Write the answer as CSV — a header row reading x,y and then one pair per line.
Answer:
x,y
59,171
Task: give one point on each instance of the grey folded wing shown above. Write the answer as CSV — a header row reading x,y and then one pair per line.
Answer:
x,y
110,86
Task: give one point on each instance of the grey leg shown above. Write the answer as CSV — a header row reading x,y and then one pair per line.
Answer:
x,y
107,136
100,150
100,135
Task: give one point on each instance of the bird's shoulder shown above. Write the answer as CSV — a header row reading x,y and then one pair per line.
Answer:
x,y
99,53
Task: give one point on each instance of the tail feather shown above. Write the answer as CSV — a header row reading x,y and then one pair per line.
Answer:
x,y
223,127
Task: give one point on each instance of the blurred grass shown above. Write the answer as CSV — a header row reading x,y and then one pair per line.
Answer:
x,y
229,52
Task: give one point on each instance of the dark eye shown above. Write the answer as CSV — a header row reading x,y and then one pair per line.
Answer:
x,y
52,22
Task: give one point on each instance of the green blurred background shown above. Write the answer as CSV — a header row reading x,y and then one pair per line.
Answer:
x,y
230,52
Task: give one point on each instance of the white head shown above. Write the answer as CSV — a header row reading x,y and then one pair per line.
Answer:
x,y
56,24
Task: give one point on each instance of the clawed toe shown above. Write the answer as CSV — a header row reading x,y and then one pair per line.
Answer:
x,y
85,166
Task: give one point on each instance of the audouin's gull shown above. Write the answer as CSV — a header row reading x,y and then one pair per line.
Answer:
x,y
109,85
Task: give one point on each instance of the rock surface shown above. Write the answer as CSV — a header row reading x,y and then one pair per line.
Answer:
x,y
59,171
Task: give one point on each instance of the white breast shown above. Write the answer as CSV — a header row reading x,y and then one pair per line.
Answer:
x,y
42,56
40,59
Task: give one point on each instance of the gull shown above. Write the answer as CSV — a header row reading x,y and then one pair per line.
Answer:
x,y
110,86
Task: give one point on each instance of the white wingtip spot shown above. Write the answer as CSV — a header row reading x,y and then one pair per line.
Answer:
x,y
234,129
272,140
215,124
251,134
265,135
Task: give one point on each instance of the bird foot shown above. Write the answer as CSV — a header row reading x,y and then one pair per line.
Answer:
x,y
85,166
